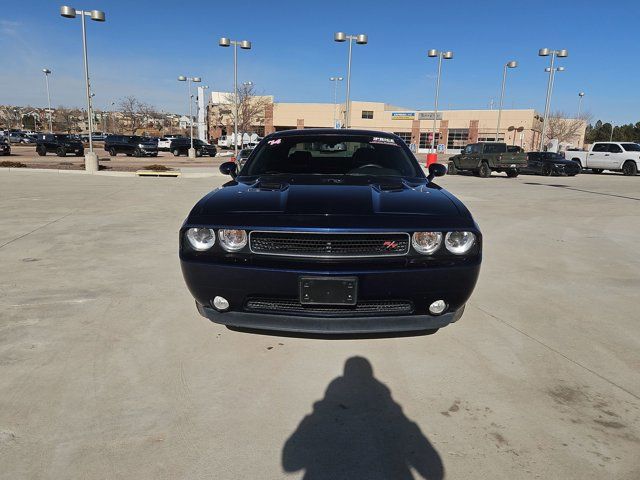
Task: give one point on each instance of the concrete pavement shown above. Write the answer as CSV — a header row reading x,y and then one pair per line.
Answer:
x,y
107,371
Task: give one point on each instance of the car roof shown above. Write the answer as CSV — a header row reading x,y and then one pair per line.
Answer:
x,y
329,131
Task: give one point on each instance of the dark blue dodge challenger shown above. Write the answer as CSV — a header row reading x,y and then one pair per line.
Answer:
x,y
331,231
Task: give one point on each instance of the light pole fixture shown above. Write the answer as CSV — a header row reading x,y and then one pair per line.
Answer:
x,y
47,72
511,64
361,39
245,45
448,55
182,78
90,159
335,81
580,96
545,52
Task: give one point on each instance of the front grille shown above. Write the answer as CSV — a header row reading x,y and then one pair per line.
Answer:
x,y
365,308
299,244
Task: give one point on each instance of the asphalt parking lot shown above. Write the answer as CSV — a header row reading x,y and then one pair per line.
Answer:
x,y
107,370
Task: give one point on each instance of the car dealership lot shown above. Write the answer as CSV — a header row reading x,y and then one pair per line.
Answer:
x,y
107,371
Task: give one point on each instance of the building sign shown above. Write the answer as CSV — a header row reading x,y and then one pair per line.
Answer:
x,y
428,116
403,115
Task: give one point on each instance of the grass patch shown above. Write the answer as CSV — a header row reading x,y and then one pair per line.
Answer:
x,y
157,168
10,164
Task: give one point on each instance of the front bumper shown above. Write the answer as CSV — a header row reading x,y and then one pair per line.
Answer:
x,y
332,325
5,149
420,285
148,152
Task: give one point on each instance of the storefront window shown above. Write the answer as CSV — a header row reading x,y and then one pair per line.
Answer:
x,y
425,139
458,138
405,136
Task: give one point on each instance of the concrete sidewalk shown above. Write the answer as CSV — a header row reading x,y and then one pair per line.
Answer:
x,y
107,371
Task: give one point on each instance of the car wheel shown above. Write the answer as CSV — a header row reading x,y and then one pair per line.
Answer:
x,y
112,152
41,150
176,152
629,168
596,170
546,170
61,152
512,173
137,152
198,153
452,170
484,171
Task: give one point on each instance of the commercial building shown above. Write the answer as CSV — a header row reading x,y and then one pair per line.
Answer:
x,y
453,128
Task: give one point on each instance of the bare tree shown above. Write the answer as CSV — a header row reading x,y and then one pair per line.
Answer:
x,y
565,129
251,108
134,113
67,119
11,116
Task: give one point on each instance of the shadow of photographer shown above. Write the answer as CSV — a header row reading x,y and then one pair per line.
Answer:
x,y
358,431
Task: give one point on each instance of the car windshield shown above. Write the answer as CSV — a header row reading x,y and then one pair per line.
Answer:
x,y
631,147
63,137
337,154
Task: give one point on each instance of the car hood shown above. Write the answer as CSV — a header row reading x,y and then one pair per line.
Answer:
x,y
328,198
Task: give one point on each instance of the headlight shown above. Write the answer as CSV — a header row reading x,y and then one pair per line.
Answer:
x,y
201,239
426,242
233,240
140,145
459,243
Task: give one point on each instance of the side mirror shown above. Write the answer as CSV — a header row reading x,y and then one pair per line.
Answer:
x,y
435,170
229,168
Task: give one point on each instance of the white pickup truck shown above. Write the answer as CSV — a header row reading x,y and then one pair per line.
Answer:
x,y
617,156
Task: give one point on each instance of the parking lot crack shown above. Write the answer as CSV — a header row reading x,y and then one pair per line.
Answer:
x,y
37,228
550,348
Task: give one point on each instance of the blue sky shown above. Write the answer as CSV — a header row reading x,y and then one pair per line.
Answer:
x,y
144,45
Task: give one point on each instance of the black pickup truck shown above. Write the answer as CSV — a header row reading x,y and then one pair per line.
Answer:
x,y
485,157
59,143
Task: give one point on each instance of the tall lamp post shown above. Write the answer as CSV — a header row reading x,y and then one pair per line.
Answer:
x,y
335,81
182,78
545,52
580,96
47,72
361,39
90,159
448,55
247,86
245,45
511,64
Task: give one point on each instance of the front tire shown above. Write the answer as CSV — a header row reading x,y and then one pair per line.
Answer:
x,y
629,168
546,170
61,152
512,173
137,153
176,152
41,150
484,171
452,170
112,152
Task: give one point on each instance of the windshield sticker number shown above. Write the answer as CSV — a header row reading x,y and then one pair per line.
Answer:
x,y
384,141
277,141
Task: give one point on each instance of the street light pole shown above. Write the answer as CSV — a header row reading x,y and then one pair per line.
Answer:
x,y
545,52
246,86
335,81
611,136
361,39
47,72
448,55
580,96
90,159
182,78
245,45
511,64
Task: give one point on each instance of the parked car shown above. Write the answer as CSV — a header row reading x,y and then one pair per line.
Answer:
x,y
331,231
5,146
131,145
164,143
59,143
549,163
242,157
180,146
19,137
485,157
616,156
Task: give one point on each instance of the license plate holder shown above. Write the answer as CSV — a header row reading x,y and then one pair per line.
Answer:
x,y
328,290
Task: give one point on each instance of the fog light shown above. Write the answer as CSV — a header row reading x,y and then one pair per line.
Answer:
x,y
437,307
220,303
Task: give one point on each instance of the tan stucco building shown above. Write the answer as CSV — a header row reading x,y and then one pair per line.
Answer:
x,y
454,128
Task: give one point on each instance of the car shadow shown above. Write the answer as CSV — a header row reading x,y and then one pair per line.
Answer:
x,y
332,336
357,431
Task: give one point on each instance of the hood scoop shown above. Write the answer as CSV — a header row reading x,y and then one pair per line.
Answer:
x,y
269,186
391,186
